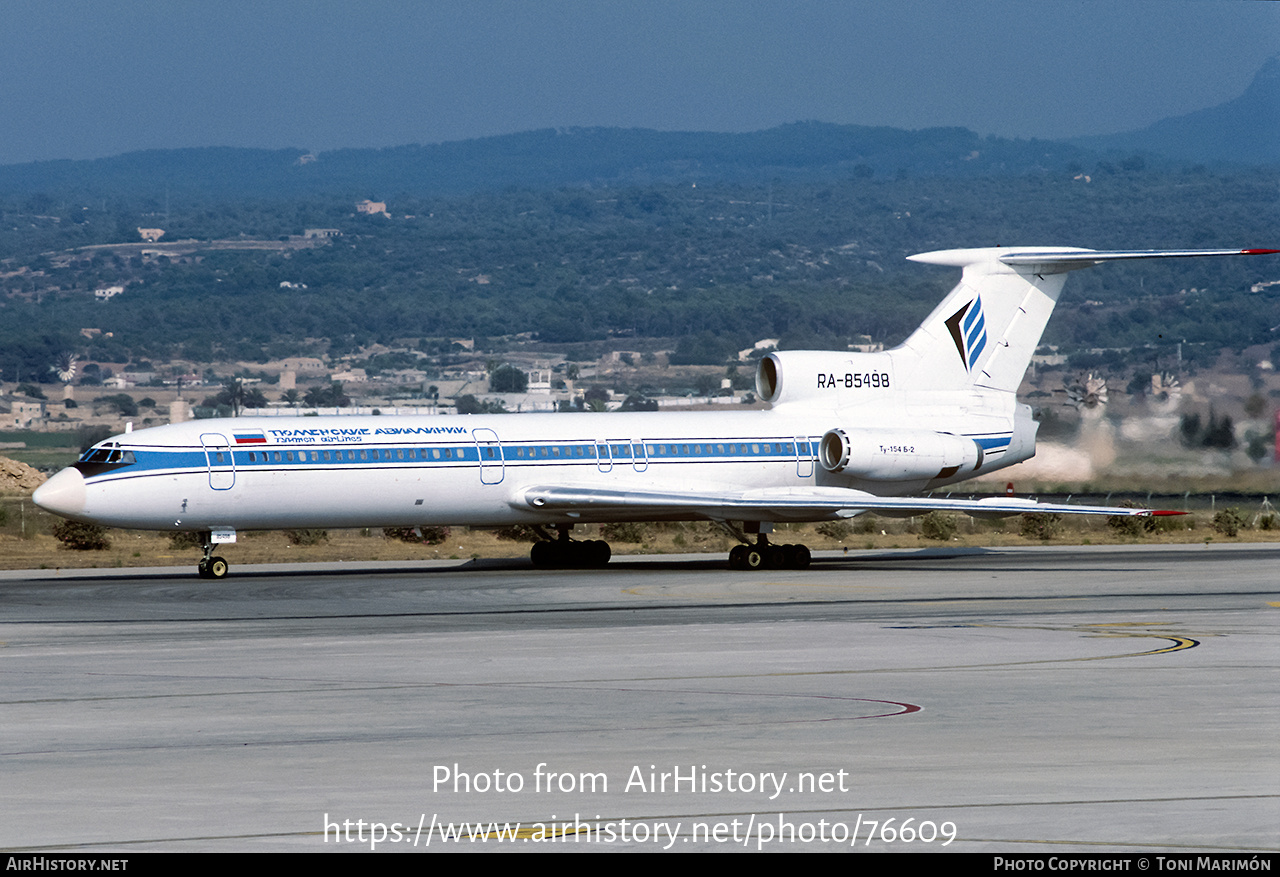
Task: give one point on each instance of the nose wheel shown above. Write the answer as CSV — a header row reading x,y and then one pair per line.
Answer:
x,y
213,568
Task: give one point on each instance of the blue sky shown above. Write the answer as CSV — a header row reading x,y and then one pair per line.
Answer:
x,y
84,78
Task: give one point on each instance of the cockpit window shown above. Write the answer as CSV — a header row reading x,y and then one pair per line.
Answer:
x,y
104,457
99,454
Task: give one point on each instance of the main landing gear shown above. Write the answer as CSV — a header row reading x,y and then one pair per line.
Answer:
x,y
563,553
763,554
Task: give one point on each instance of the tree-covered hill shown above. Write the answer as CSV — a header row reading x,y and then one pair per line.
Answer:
x,y
548,158
712,267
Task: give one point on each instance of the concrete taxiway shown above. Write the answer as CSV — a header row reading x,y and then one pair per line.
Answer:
x,y
1019,700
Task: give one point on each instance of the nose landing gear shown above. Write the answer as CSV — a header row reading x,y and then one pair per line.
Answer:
x,y
212,566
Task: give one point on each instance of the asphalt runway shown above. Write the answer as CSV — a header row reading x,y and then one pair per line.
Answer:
x,y
1013,700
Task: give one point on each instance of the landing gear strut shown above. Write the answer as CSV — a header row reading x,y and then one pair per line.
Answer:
x,y
210,566
564,553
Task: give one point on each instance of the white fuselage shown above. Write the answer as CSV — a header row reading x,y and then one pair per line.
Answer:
x,y
265,473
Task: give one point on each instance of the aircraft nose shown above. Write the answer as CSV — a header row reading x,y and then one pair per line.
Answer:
x,y
63,494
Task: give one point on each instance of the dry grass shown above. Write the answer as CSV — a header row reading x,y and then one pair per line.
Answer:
x,y
26,543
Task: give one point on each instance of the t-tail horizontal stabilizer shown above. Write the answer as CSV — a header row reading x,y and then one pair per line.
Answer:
x,y
1065,258
984,332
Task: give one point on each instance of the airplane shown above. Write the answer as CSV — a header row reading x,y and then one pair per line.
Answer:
x,y
844,433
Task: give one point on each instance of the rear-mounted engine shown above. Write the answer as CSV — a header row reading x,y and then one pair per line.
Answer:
x,y
898,455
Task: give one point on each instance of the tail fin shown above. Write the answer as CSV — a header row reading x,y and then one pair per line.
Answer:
x,y
984,333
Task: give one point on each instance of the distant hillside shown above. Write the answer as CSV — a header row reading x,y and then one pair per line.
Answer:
x,y
1245,130
549,158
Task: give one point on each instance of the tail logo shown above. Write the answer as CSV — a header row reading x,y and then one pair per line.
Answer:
x,y
969,331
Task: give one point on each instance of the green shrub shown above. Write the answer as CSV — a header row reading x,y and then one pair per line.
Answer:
x,y
1168,523
938,526
81,537
626,532
307,537
518,533
417,535
434,535
1126,525
867,524
1131,526
183,539
835,529
1043,527
1229,522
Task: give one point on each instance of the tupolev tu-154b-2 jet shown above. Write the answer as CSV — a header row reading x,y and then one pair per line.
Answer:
x,y
844,433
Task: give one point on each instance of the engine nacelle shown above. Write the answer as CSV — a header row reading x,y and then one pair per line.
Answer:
x,y
830,377
898,455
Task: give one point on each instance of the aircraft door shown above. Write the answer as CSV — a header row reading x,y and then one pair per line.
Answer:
x,y
639,457
489,450
604,458
804,456
217,455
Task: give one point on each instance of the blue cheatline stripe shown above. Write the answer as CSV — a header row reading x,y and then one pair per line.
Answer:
x,y
151,460
994,442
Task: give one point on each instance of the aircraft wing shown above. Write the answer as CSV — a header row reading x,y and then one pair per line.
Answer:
x,y
787,503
